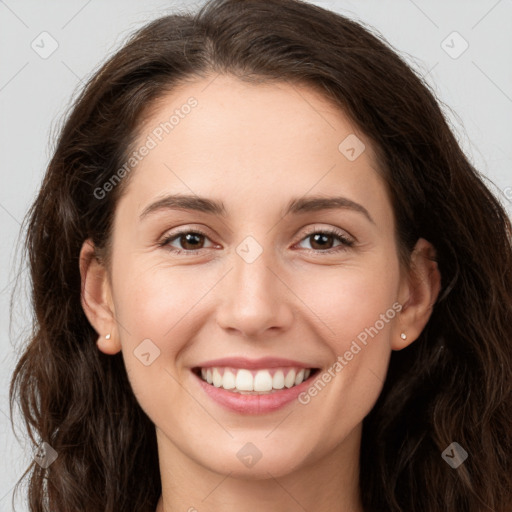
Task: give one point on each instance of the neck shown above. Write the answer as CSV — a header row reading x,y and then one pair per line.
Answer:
x,y
327,484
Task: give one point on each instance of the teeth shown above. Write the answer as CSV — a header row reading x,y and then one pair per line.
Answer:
x,y
217,378
289,380
263,381
228,381
257,381
300,377
278,380
244,381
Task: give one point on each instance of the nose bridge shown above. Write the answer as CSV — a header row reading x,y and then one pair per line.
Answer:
x,y
253,296
251,268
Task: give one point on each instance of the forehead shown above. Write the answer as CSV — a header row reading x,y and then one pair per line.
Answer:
x,y
248,143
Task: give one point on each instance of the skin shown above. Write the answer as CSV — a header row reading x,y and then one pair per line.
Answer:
x,y
255,147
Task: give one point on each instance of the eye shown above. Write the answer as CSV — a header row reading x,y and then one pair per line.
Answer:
x,y
323,238
190,241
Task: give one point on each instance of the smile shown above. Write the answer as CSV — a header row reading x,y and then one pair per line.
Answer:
x,y
253,386
261,381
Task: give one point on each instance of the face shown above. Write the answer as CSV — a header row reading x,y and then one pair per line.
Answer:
x,y
265,288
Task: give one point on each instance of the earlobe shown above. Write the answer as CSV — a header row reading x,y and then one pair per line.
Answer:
x,y
96,299
421,289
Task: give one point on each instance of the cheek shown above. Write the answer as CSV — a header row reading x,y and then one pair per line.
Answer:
x,y
356,309
155,321
348,302
152,301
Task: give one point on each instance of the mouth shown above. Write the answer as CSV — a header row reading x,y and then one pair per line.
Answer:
x,y
263,381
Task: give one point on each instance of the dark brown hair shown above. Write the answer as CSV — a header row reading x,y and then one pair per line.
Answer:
x,y
451,384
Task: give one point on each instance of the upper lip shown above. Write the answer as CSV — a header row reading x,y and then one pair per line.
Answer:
x,y
243,362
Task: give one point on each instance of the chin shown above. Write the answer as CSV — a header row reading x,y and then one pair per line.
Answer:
x,y
257,461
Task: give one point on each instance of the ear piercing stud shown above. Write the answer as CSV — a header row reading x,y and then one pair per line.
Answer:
x,y
107,337
403,336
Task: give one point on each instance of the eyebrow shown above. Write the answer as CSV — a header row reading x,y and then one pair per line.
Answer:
x,y
295,206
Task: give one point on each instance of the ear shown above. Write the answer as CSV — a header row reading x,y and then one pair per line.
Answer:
x,y
96,298
418,294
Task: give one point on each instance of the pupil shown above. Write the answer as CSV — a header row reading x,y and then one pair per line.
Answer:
x,y
323,237
189,239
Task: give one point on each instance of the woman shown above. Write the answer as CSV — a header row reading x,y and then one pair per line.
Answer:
x,y
190,352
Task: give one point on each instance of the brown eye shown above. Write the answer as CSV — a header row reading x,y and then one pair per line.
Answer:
x,y
323,240
189,241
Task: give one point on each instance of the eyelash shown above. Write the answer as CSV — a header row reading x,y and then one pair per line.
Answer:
x,y
345,242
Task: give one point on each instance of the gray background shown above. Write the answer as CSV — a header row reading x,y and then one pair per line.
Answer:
x,y
35,93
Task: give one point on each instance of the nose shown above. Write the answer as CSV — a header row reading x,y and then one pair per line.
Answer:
x,y
256,300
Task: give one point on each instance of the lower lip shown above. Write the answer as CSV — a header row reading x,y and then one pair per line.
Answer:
x,y
253,404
